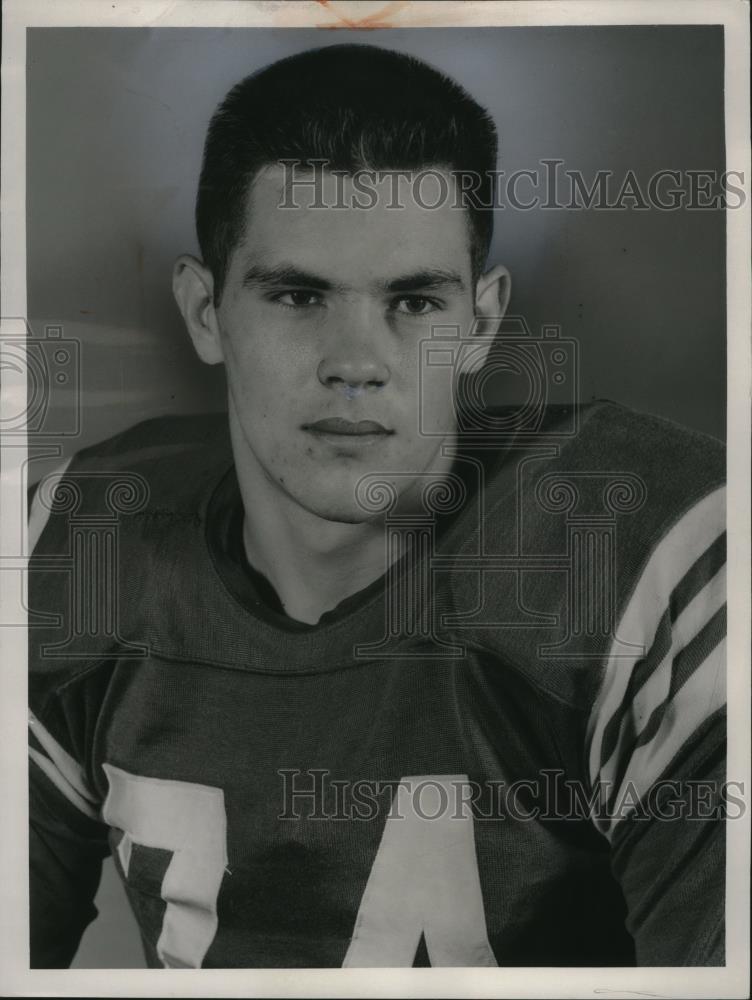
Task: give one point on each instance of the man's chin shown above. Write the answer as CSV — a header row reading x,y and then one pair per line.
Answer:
x,y
346,517
366,498
339,512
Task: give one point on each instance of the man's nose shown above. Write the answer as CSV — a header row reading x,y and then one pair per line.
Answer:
x,y
352,364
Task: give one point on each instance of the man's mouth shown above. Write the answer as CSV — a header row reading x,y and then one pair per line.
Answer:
x,y
348,430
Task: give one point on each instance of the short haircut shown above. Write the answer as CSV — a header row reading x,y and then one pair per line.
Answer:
x,y
358,107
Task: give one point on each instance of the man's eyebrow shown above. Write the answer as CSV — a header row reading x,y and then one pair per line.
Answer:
x,y
256,275
276,276
423,280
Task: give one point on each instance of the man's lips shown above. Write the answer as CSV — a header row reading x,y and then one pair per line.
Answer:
x,y
347,428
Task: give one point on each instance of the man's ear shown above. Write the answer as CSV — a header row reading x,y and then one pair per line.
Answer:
x,y
492,293
492,298
193,288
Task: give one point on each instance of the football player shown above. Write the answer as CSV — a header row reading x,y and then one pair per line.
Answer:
x,y
364,672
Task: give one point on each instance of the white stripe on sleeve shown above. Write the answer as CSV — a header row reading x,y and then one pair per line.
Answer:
x,y
673,557
65,772
39,513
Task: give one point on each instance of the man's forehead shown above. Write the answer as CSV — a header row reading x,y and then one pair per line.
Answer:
x,y
343,220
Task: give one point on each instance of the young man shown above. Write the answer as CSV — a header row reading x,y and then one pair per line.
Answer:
x,y
376,678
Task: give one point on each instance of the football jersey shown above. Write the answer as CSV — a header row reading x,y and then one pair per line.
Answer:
x,y
509,750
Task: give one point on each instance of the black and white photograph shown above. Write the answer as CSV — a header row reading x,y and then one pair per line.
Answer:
x,y
375,438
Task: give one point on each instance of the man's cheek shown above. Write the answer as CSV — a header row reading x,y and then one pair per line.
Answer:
x,y
435,411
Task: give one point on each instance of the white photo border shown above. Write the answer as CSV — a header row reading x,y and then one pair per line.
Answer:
x,y
15,976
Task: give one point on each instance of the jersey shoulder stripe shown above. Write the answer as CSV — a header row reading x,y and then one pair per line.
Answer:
x,y
39,511
61,768
651,704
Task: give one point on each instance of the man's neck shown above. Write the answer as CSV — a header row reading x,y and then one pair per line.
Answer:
x,y
312,568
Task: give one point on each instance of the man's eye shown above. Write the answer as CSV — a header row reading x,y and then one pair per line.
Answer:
x,y
297,299
415,305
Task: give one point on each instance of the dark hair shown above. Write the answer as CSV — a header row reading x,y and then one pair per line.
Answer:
x,y
355,106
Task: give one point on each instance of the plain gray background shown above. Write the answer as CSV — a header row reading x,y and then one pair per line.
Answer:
x,y
116,121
